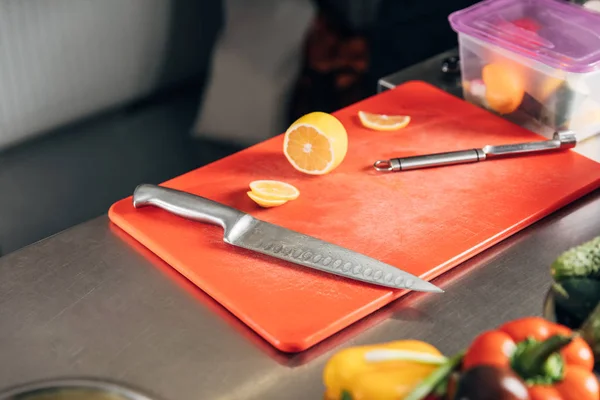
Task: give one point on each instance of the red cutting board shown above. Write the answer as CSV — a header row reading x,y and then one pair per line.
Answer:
x,y
423,221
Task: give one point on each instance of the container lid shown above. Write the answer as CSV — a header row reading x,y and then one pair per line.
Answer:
x,y
556,33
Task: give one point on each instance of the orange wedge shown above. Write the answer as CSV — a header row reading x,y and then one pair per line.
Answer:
x,y
265,203
316,143
274,190
382,122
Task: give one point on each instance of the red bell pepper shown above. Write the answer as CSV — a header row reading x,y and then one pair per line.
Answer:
x,y
554,363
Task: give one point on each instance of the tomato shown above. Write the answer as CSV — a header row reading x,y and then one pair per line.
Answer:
x,y
544,392
490,348
496,349
579,353
578,384
520,329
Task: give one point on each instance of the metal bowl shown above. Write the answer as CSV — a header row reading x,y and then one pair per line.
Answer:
x,y
72,389
549,310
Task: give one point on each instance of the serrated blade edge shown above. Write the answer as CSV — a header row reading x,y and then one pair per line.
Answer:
x,y
298,248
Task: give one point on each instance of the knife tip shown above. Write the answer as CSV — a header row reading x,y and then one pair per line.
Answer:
x,y
424,286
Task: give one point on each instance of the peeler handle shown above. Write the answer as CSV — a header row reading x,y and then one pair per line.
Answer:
x,y
430,160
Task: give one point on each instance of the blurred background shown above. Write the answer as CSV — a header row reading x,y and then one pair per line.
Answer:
x,y
99,96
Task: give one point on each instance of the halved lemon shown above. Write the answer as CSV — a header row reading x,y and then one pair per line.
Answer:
x,y
265,203
316,143
383,122
274,190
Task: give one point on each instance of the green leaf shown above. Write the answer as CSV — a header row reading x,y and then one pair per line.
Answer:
x,y
442,373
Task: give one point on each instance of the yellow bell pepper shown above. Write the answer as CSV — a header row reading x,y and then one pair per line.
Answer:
x,y
361,374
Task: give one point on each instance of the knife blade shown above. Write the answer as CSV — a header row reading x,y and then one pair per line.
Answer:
x,y
245,231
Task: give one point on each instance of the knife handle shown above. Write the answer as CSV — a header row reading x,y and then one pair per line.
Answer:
x,y
185,205
430,160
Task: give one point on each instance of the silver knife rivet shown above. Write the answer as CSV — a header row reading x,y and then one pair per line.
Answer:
x,y
398,281
277,248
357,269
337,263
347,267
307,255
388,277
409,283
317,257
367,272
377,275
297,253
327,261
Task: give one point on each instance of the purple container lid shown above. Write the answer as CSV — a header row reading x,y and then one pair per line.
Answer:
x,y
556,33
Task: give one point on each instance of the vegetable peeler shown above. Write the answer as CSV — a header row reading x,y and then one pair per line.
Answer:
x,y
560,141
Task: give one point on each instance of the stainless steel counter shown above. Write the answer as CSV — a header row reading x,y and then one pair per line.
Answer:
x,y
91,302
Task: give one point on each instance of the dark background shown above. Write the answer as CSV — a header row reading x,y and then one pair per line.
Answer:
x,y
71,174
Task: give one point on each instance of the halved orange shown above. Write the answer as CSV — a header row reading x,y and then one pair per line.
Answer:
x,y
265,203
316,143
504,87
383,122
274,190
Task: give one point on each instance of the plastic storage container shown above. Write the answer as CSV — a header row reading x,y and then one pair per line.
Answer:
x,y
535,62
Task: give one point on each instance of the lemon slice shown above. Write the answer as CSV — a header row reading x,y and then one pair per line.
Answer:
x,y
316,143
382,122
274,190
265,203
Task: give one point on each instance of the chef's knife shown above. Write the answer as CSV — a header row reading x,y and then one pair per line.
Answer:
x,y
245,231
560,141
